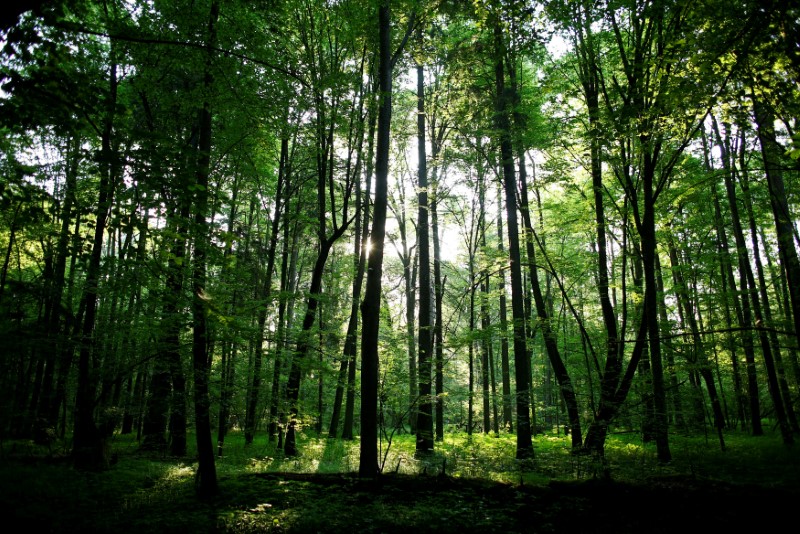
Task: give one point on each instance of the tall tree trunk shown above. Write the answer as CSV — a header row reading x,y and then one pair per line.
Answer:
x,y
647,232
304,343
370,307
750,291
591,86
730,297
438,284
505,368
285,315
762,288
88,444
206,479
771,151
350,399
47,411
348,359
265,294
425,415
485,330
471,347
674,394
698,360
543,321
300,358
230,346
521,360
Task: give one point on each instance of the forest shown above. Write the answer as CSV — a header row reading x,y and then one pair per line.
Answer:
x,y
488,241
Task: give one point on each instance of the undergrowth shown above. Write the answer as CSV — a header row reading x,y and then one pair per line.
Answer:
x,y
263,490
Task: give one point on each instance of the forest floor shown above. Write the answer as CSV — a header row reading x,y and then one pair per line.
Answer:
x,y
143,494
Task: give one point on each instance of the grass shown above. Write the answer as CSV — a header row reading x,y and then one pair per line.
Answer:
x,y
316,492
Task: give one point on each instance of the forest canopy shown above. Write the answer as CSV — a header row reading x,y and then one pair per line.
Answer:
x,y
362,218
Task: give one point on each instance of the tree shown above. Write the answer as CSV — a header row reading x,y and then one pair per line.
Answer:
x,y
370,306
521,362
206,472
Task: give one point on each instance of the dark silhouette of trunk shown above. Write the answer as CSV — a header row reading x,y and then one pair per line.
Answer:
x,y
230,346
425,414
409,261
438,284
543,321
647,233
542,309
89,449
167,377
370,307
784,307
12,233
206,478
505,368
348,360
771,153
350,399
591,84
616,379
285,314
486,372
265,294
521,359
66,353
729,294
305,342
471,346
486,334
300,358
762,291
673,397
350,343
750,291
46,412
698,359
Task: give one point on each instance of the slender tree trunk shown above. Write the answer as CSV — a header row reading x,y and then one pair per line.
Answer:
x,y
699,360
206,479
730,297
350,399
12,232
47,411
348,360
784,223
673,396
425,433
762,288
300,358
88,445
543,322
370,307
285,313
471,348
521,361
750,293
265,294
647,232
505,368
304,344
438,284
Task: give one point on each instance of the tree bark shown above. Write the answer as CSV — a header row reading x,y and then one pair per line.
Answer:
x,y
425,441
370,306
521,361
784,223
206,478
88,445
